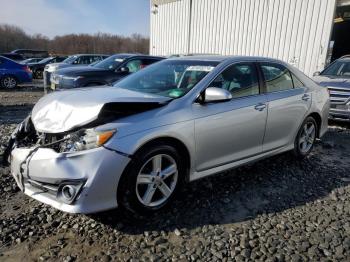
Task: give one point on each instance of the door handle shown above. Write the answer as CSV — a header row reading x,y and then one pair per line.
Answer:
x,y
305,97
260,107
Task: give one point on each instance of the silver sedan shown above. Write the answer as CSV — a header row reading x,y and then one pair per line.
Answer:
x,y
135,144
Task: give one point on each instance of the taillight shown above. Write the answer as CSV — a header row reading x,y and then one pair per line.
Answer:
x,y
27,69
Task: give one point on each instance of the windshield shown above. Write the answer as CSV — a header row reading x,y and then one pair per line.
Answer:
x,y
70,59
45,60
110,63
339,68
170,78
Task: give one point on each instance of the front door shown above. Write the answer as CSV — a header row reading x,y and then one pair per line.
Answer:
x,y
229,131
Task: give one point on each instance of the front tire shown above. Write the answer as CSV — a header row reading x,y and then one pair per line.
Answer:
x,y
9,82
306,137
151,180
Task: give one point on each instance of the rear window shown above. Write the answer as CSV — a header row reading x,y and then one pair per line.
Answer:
x,y
277,77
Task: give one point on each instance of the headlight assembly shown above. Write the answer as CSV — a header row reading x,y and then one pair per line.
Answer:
x,y
85,139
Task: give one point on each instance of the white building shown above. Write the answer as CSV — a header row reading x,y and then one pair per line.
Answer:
x,y
296,31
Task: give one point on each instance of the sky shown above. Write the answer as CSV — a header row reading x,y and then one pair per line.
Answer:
x,y
59,17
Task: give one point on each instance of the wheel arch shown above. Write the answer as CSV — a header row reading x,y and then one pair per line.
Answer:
x,y
171,141
318,120
9,74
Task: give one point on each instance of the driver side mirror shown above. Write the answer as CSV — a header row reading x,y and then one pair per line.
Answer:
x,y
317,73
124,69
214,95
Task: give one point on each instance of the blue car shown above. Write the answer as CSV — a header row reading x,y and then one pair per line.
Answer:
x,y
13,73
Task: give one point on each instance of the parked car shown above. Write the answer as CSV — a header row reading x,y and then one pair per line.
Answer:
x,y
74,60
13,73
336,77
14,57
38,67
28,53
31,60
104,72
178,120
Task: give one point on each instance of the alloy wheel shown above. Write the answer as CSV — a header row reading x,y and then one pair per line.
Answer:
x,y
157,180
9,82
307,137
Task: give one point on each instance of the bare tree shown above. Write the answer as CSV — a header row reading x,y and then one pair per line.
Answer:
x,y
13,37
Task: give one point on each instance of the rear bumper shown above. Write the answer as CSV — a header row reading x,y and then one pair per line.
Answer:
x,y
24,78
99,170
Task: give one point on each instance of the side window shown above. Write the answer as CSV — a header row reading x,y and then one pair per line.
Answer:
x,y
297,83
78,60
240,79
277,77
83,60
95,59
134,65
60,59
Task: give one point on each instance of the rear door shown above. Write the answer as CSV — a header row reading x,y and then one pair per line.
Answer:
x,y
288,104
230,131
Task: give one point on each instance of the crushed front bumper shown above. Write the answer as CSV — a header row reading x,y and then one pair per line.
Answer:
x,y
41,173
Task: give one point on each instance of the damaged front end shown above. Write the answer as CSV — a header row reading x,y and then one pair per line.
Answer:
x,y
55,168
28,141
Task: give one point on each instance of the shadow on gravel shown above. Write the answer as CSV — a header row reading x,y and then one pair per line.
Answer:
x,y
269,186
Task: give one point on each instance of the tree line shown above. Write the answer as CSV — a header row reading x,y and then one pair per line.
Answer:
x,y
13,37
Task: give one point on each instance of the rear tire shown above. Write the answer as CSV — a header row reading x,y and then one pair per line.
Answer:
x,y
39,74
9,82
151,180
306,137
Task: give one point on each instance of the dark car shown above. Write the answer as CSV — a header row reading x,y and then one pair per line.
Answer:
x,y
71,61
13,73
28,53
14,57
31,60
336,77
38,68
105,72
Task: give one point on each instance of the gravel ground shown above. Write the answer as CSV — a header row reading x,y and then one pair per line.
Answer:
x,y
278,209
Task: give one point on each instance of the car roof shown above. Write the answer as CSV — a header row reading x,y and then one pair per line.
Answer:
x,y
221,58
89,54
128,55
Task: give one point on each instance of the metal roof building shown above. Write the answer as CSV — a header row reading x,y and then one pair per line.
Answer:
x,y
296,31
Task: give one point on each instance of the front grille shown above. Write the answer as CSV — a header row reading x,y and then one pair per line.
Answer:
x,y
339,95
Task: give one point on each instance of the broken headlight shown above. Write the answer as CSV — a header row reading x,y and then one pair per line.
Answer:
x,y
85,139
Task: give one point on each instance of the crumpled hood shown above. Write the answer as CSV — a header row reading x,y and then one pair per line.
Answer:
x,y
332,81
65,110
